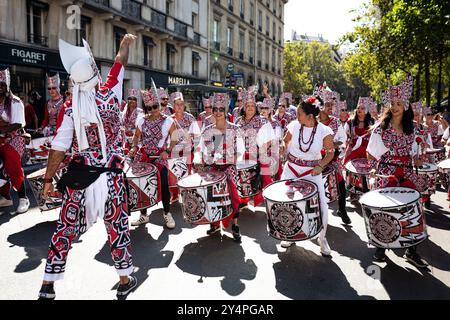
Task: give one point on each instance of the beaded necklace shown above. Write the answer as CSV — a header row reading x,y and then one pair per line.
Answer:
x,y
310,140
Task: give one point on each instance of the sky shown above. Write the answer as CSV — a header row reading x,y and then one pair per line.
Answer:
x,y
329,18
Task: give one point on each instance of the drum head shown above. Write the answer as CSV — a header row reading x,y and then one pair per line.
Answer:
x,y
428,167
444,165
390,197
140,169
359,166
285,191
201,179
241,165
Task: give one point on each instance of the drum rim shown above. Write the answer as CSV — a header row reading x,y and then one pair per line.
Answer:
x,y
291,201
441,167
129,171
401,206
348,170
205,185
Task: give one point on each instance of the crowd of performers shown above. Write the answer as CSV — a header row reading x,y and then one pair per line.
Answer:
x,y
96,136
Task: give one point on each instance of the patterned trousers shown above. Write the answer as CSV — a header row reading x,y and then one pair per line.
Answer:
x,y
72,223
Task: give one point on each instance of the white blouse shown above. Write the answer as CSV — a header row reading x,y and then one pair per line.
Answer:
x,y
314,152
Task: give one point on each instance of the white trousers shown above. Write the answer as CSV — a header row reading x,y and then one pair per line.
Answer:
x,y
288,174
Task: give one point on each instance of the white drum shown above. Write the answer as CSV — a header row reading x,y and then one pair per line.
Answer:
x,y
394,217
293,210
205,197
248,179
429,171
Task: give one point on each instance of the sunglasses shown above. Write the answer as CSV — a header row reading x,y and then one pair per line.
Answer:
x,y
264,108
343,110
164,98
218,109
208,107
51,88
154,107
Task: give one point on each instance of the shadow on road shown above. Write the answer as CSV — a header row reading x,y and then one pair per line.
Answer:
x,y
302,274
399,282
218,256
147,253
35,242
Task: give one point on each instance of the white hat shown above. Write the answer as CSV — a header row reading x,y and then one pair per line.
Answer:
x,y
78,61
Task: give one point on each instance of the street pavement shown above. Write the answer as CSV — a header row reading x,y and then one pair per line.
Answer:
x,y
185,263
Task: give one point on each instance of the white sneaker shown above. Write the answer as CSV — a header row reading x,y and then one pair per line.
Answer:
x,y
170,223
24,204
5,202
141,220
287,244
324,247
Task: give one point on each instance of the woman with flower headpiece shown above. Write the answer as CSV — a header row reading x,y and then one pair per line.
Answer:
x,y
258,137
221,145
303,144
330,100
393,150
359,130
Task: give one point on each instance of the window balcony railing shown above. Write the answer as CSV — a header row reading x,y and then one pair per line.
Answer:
x,y
39,40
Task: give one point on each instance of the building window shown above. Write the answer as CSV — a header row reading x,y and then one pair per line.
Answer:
x,y
260,52
216,34
170,57
274,28
169,4
85,30
252,51
242,9
252,13
241,45
37,13
148,51
195,63
267,25
267,57
260,20
274,62
195,21
230,40
119,33
279,36
230,5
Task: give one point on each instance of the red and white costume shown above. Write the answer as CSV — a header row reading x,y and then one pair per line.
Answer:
x,y
52,108
98,145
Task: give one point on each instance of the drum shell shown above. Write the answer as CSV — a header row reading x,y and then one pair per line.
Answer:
x,y
435,156
330,184
357,181
395,227
36,180
208,203
142,187
431,175
296,220
248,181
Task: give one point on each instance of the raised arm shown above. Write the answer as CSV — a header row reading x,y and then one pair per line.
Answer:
x,y
124,50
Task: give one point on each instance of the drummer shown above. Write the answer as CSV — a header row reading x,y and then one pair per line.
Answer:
x,y
266,108
129,115
434,128
207,105
237,111
304,141
393,150
373,109
154,129
221,145
282,115
52,107
12,147
163,96
187,131
258,137
359,130
330,100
